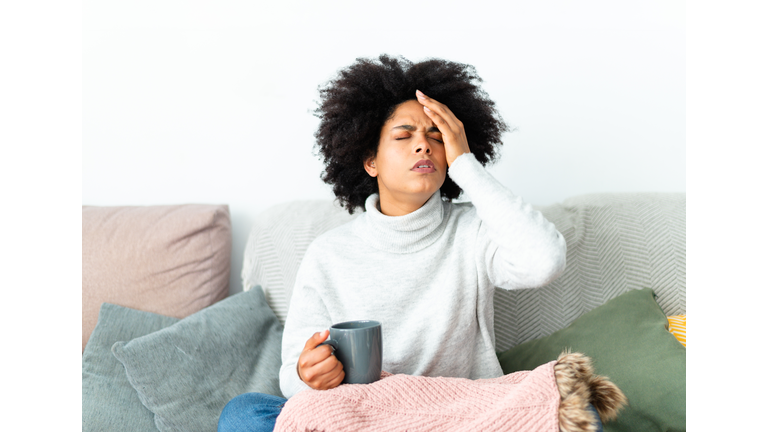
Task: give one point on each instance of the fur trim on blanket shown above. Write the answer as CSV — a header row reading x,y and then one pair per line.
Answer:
x,y
578,387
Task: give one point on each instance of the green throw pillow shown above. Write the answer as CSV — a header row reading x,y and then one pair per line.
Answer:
x,y
628,341
109,401
186,373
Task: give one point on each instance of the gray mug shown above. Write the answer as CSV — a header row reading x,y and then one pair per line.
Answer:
x,y
357,345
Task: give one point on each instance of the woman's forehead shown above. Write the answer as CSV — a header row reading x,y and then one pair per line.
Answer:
x,y
409,113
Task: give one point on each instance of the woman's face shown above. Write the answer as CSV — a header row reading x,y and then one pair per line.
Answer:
x,y
410,164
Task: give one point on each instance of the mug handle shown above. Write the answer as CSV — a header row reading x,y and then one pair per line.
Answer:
x,y
332,343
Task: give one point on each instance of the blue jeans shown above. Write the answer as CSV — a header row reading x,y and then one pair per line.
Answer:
x,y
599,423
256,412
252,412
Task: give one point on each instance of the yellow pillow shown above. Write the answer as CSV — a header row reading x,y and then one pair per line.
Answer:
x,y
677,327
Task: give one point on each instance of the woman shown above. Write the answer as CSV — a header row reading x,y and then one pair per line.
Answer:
x,y
402,140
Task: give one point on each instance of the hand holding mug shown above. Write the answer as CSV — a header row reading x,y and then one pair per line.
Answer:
x,y
317,366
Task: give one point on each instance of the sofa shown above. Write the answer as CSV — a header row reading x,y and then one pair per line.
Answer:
x,y
166,347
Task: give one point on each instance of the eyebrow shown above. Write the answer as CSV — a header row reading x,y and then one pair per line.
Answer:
x,y
413,128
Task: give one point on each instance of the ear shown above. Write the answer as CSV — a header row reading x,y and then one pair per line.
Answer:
x,y
370,167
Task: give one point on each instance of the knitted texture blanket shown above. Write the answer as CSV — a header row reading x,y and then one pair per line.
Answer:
x,y
520,401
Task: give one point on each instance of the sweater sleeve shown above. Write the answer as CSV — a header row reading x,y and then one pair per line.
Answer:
x,y
519,247
307,315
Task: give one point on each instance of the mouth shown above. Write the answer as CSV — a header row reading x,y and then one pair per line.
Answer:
x,y
424,166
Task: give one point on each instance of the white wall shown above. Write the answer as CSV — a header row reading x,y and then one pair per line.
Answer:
x,y
210,102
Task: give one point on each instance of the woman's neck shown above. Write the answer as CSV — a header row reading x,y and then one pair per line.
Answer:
x,y
392,207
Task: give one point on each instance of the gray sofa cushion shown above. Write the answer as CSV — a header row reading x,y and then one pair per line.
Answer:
x,y
186,373
110,403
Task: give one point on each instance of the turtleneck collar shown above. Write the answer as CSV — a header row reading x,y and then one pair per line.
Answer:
x,y
403,234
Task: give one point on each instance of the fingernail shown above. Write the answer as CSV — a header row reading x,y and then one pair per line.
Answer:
x,y
419,94
427,109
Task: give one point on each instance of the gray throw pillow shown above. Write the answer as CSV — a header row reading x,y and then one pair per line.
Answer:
x,y
185,374
109,401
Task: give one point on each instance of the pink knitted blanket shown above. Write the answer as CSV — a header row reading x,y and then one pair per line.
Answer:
x,y
521,401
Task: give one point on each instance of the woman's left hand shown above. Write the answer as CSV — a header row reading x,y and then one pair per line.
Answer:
x,y
454,138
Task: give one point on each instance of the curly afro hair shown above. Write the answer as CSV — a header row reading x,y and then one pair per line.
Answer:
x,y
356,103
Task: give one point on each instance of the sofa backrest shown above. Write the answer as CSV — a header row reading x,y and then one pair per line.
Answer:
x,y
616,242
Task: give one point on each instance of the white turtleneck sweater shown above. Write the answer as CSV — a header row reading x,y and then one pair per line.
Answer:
x,y
428,277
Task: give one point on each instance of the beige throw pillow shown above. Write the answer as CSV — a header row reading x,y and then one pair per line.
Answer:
x,y
170,260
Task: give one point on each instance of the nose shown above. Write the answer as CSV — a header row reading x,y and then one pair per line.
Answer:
x,y
422,146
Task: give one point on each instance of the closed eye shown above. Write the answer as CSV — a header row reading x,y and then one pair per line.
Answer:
x,y
438,139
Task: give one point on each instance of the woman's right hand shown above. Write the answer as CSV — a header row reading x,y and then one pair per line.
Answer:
x,y
317,365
